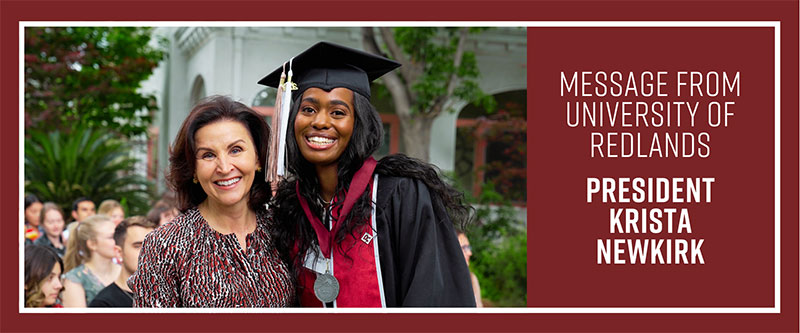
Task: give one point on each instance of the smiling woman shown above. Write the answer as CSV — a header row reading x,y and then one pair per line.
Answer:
x,y
218,252
325,123
355,231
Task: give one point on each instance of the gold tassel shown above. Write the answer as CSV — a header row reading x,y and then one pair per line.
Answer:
x,y
271,176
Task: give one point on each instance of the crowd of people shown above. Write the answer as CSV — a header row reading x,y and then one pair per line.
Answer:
x,y
84,263
339,229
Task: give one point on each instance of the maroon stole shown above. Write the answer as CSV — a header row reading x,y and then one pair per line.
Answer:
x,y
354,261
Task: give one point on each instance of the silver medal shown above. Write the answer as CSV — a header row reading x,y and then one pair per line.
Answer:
x,y
326,288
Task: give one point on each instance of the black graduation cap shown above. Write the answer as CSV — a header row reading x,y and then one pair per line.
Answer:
x,y
326,66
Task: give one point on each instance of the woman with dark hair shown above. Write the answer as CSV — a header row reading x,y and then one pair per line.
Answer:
x,y
43,269
162,212
33,209
356,232
218,252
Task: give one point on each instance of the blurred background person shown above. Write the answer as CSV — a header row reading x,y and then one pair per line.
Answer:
x,y
43,270
89,261
128,235
52,223
113,209
81,209
162,212
467,250
33,208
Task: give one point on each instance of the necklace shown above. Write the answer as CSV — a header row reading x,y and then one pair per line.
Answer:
x,y
325,203
326,286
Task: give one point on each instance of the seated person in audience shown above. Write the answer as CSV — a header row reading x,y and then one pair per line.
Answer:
x,y
162,213
128,236
466,249
52,221
33,208
81,209
89,261
113,209
43,270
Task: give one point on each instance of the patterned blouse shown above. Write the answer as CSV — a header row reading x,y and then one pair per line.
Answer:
x,y
186,263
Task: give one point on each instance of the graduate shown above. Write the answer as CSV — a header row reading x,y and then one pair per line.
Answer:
x,y
358,232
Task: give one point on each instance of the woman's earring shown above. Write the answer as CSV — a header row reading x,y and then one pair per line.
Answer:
x,y
194,180
258,169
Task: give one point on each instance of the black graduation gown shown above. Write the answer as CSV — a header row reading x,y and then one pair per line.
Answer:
x,y
421,260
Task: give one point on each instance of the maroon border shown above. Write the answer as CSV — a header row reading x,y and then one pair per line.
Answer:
x,y
11,12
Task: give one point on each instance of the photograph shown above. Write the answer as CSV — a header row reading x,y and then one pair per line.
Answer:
x,y
274,166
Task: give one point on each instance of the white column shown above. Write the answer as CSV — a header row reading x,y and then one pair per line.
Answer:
x,y
238,63
443,137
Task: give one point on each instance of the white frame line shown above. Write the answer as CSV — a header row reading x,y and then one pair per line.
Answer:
x,y
535,24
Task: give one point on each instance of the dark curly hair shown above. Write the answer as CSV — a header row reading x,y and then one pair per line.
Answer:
x,y
292,226
182,152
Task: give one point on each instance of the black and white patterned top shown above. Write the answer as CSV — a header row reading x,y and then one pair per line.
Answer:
x,y
186,263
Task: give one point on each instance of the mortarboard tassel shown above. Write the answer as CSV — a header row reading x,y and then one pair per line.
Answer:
x,y
286,102
271,176
280,123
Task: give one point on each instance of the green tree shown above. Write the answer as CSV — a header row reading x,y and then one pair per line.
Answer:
x,y
90,76
86,162
437,67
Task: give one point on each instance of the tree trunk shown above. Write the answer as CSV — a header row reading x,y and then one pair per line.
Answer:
x,y
416,135
415,127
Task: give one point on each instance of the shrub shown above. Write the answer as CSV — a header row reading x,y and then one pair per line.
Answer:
x,y
90,163
499,251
